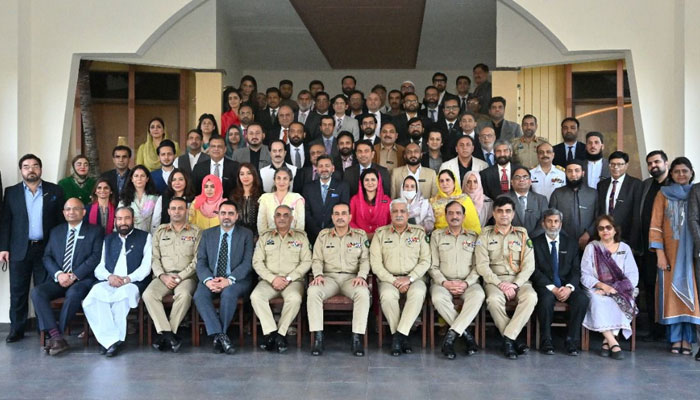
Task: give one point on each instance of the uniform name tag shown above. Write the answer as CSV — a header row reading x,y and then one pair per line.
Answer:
x,y
493,241
165,238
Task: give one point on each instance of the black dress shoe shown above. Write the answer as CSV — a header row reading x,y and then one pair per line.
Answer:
x,y
357,348
281,343
217,345
396,345
160,343
58,346
269,341
226,345
546,346
405,344
14,336
114,349
317,348
509,349
697,355
571,347
521,348
175,343
471,347
448,345
103,350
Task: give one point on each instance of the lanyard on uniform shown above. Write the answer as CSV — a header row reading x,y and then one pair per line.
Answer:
x,y
522,254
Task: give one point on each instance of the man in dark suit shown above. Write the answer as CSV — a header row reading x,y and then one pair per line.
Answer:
x,y
297,150
449,123
166,155
504,129
328,138
31,209
345,158
225,169
364,152
268,116
467,127
224,265
309,173
556,278
321,195
368,128
578,204
312,125
374,102
193,154
597,167
571,148
71,255
117,176
411,107
529,206
431,110
440,82
281,129
496,178
620,196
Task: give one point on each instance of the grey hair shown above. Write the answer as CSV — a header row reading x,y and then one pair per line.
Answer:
x,y
284,206
398,201
503,142
552,211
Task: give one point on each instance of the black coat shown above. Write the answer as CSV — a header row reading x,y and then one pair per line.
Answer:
x,y
318,213
569,263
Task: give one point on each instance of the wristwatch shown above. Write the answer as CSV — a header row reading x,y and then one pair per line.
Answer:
x,y
289,278
410,279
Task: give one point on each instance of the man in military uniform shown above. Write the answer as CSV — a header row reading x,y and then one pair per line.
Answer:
x,y
340,265
504,258
525,147
453,275
282,258
174,265
400,256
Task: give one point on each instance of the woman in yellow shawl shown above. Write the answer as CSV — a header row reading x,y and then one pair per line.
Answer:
x,y
147,153
447,192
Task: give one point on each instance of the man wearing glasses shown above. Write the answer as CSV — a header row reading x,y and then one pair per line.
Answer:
x,y
529,206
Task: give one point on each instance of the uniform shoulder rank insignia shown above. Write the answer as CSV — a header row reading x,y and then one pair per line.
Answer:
x,y
529,243
367,243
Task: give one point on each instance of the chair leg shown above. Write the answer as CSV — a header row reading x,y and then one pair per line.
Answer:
x,y
240,324
42,338
424,325
380,329
86,332
300,330
149,328
537,334
255,330
431,324
529,332
140,309
366,339
482,315
195,328
633,339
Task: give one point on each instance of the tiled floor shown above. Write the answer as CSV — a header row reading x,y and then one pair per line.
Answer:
x,y
196,373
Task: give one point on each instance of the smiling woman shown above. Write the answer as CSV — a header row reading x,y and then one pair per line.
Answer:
x,y
78,184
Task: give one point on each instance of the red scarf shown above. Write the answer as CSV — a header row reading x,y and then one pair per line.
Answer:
x,y
209,206
93,218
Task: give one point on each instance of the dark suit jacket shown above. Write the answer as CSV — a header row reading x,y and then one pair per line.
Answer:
x,y
158,180
184,162
384,119
87,250
111,176
451,144
569,263
306,175
229,175
401,123
693,216
318,213
491,180
14,234
335,155
352,177
288,157
312,126
531,217
268,124
629,201
241,253
576,206
560,153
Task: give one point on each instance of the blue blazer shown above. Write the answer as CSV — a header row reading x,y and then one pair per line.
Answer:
x,y
14,235
86,251
318,213
241,253
158,180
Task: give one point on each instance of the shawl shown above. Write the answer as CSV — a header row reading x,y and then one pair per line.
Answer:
x,y
209,206
683,283
611,274
93,216
370,217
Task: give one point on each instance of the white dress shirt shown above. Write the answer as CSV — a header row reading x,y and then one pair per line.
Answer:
x,y
193,162
549,247
619,180
212,167
595,168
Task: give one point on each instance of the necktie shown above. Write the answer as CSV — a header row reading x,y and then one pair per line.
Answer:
x,y
324,192
223,256
302,117
555,264
68,255
284,135
504,181
328,143
611,200
297,158
464,103
314,175
273,114
339,124
244,130
523,202
216,170
449,126
489,161
570,155
432,115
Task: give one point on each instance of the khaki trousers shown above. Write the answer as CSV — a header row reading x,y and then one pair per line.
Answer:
x,y
182,299
334,284
473,298
496,303
389,300
260,300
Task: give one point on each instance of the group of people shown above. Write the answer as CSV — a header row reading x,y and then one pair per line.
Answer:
x,y
447,196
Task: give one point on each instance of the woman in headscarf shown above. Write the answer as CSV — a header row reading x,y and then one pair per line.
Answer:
x,y
78,184
370,207
147,153
101,210
419,210
609,275
234,140
204,210
447,192
483,204
670,237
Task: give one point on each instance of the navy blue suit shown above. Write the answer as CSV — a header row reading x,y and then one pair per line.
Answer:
x,y
158,180
318,213
241,266
86,255
26,256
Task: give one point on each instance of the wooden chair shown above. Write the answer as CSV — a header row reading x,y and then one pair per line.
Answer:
x,y
338,305
276,305
560,307
585,338
57,304
510,307
458,302
198,324
168,304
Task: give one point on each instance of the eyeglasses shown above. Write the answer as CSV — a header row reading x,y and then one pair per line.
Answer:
x,y
451,107
520,177
411,101
602,228
617,165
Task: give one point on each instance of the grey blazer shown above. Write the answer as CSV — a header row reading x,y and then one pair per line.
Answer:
x,y
509,131
349,124
240,253
531,217
242,155
579,209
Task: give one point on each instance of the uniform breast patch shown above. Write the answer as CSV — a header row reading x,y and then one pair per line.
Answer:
x,y
187,238
294,243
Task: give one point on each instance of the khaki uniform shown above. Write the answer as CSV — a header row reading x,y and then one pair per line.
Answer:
x,y
525,153
340,259
287,256
507,258
173,252
453,259
394,255
389,157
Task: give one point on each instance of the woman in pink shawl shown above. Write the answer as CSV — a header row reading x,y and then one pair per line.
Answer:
x,y
370,206
204,211
483,204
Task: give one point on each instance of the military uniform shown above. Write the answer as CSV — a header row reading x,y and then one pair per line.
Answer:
x,y
173,252
524,152
340,259
546,184
393,255
453,259
287,256
507,258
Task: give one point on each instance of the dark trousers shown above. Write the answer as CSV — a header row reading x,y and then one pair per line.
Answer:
x,y
578,305
50,290
21,273
228,300
648,273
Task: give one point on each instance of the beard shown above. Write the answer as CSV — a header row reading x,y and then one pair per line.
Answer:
x,y
413,161
594,157
503,160
657,172
368,132
430,104
296,141
552,233
124,229
575,183
345,151
570,137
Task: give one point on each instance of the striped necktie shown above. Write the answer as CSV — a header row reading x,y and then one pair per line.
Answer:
x,y
68,255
